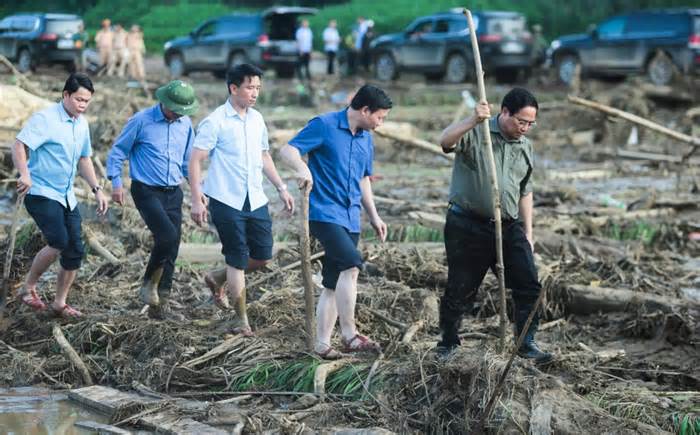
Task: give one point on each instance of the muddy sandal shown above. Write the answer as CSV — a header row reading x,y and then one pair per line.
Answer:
x,y
220,297
66,312
360,343
329,354
32,300
245,331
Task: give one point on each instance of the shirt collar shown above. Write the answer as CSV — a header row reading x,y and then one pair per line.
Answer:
x,y
159,116
344,123
496,128
230,111
64,114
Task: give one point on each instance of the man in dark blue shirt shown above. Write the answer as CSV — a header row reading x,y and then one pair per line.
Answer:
x,y
340,150
157,141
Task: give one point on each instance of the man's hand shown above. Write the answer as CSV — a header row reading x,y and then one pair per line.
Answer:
x,y
305,179
102,203
379,227
482,111
24,183
199,211
287,200
118,195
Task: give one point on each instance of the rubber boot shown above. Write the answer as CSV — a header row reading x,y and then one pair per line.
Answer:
x,y
529,349
450,322
164,311
149,289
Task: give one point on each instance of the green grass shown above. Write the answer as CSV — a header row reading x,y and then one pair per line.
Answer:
x,y
639,230
688,424
406,233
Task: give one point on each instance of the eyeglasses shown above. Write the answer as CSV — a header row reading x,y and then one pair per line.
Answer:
x,y
525,122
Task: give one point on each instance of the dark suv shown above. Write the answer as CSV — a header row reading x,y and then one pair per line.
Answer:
x,y
652,42
439,46
33,39
265,39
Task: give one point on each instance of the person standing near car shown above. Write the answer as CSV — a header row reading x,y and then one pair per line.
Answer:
x,y
470,242
137,48
104,40
304,38
58,139
340,150
331,42
120,52
157,142
234,137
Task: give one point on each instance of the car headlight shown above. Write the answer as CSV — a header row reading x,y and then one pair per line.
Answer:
x,y
167,45
555,44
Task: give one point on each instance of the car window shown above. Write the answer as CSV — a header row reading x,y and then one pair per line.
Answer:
x,y
422,26
441,26
207,29
62,27
458,25
506,26
6,24
237,25
612,28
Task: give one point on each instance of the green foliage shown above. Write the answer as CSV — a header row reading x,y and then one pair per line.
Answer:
x,y
639,230
688,424
406,233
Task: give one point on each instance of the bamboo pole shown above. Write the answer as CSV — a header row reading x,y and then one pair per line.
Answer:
x,y
10,252
305,249
494,183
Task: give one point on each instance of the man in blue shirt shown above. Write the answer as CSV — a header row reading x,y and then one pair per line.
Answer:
x,y
157,141
340,151
234,138
58,139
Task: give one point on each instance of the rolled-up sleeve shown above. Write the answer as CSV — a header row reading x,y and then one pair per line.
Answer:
x,y
121,149
310,137
207,134
188,152
34,132
86,150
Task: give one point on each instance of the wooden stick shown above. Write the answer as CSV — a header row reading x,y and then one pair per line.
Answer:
x,y
494,182
97,246
322,372
694,141
71,354
305,249
499,386
414,142
283,269
10,252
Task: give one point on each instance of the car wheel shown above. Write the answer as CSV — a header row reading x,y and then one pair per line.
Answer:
x,y
456,69
385,67
236,59
24,61
660,69
176,65
566,68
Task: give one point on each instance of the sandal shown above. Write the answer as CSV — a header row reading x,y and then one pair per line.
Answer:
x,y
360,343
245,331
66,312
329,354
220,297
31,299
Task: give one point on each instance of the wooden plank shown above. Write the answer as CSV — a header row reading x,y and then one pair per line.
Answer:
x,y
170,423
108,400
101,428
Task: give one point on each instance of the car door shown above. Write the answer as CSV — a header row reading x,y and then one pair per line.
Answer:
x,y
214,46
6,37
613,48
195,55
435,42
416,48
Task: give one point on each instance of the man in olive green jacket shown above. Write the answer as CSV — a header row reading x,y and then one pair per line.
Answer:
x,y
470,231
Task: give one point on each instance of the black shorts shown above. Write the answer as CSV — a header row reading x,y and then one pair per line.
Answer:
x,y
340,246
244,234
60,227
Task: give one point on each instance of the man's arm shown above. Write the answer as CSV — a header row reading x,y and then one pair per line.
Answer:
x,y
453,133
115,159
369,206
19,158
525,206
292,157
87,171
270,172
199,209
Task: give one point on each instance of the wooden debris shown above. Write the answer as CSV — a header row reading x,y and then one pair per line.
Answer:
x,y
101,428
411,331
415,142
322,372
653,157
98,247
71,354
580,299
221,349
584,174
5,290
431,220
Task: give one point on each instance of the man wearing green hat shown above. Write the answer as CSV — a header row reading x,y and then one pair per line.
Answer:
x,y
157,142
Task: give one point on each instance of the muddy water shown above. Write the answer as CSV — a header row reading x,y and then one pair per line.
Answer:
x,y
38,411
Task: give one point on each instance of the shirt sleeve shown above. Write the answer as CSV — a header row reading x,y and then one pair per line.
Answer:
x,y
188,152
310,137
34,132
207,135
370,161
121,149
86,151
526,183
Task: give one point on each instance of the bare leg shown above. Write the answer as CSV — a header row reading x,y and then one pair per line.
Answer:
x,y
63,283
326,316
42,261
235,281
346,298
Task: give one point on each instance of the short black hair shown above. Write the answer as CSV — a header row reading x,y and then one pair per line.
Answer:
x,y
237,74
371,96
76,81
518,98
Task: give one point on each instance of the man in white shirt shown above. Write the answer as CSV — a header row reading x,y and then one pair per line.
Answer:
x,y
235,138
331,41
304,38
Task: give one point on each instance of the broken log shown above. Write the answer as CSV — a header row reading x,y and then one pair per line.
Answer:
x,y
581,299
414,142
322,372
653,157
221,349
98,247
71,354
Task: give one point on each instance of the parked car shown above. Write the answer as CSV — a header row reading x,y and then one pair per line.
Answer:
x,y
652,42
439,46
265,39
33,39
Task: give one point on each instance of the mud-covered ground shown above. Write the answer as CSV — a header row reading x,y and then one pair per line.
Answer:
x,y
616,245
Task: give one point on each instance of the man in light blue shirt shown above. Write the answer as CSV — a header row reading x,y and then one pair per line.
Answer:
x,y
304,38
234,138
157,141
58,139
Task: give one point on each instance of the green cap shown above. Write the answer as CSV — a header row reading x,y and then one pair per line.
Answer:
x,y
178,96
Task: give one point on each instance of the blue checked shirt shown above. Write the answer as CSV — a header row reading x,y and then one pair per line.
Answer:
x,y
158,149
56,142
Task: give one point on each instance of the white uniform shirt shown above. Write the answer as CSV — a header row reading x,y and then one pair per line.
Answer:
x,y
304,39
331,39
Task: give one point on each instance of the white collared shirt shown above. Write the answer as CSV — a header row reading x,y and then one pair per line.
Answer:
x,y
235,146
304,39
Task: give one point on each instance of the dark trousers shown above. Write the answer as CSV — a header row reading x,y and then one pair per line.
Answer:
x,y
161,209
303,66
330,69
470,244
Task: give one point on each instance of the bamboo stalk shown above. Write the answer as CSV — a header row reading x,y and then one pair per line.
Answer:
x,y
494,183
10,252
305,249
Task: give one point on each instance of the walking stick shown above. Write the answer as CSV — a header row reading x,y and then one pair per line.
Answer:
x,y
10,251
494,182
305,249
